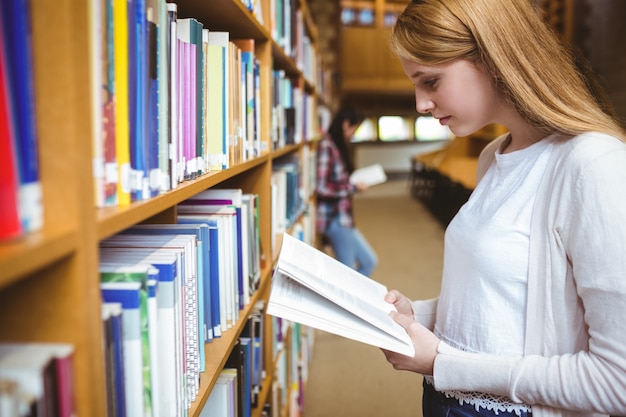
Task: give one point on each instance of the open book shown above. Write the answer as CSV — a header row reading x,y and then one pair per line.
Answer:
x,y
370,175
316,290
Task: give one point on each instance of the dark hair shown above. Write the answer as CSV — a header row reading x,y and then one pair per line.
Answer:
x,y
335,131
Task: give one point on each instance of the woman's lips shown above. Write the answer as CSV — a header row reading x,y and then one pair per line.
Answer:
x,y
444,120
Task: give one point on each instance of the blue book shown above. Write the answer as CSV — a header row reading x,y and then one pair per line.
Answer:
x,y
218,268
133,111
17,38
112,314
154,175
138,99
226,262
128,294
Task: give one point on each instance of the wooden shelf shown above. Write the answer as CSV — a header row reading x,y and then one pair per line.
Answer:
x,y
113,220
49,280
33,252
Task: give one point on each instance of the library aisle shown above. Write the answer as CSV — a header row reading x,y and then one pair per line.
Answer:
x,y
351,379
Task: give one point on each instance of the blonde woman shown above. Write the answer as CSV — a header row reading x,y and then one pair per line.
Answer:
x,y
531,317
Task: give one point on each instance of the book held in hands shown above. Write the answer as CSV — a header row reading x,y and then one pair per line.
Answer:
x,y
370,175
314,289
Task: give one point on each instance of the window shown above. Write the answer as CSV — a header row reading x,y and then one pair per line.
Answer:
x,y
366,17
348,16
366,131
393,128
427,128
392,10
357,13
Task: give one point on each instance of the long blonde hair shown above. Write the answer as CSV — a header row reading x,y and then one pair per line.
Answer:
x,y
508,38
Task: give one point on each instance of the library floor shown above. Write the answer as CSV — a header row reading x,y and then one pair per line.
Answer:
x,y
351,379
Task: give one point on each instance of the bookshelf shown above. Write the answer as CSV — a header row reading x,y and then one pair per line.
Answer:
x,y
49,280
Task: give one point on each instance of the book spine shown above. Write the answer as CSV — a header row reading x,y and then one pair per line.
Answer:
x,y
16,27
154,175
97,16
10,226
109,153
172,79
199,102
163,94
122,128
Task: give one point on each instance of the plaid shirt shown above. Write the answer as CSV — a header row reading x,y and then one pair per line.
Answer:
x,y
333,189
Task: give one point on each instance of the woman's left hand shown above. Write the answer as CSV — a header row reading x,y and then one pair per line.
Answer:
x,y
425,343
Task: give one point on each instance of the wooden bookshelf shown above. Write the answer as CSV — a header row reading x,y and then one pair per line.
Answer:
x,y
49,280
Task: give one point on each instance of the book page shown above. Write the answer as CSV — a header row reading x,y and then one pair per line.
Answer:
x,y
339,284
297,303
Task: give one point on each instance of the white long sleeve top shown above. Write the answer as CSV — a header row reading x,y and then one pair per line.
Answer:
x,y
574,361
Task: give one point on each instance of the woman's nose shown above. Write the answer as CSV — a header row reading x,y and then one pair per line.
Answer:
x,y
423,105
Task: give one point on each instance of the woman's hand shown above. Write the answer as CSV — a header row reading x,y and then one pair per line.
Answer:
x,y
361,186
400,302
424,341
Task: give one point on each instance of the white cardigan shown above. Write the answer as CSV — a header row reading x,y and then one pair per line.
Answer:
x,y
575,340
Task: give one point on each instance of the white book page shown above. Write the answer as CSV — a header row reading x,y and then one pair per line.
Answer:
x,y
338,283
370,175
294,302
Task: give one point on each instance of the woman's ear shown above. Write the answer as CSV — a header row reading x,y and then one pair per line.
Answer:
x,y
349,129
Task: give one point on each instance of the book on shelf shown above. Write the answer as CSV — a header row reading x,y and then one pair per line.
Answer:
x,y
173,95
154,176
314,289
170,322
16,29
235,366
218,97
201,231
10,226
157,15
224,220
129,288
189,32
216,267
107,151
185,246
138,99
114,359
43,376
371,175
235,132
99,92
249,64
253,331
222,401
216,201
251,235
122,89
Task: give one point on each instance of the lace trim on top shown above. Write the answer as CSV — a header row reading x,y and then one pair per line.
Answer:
x,y
479,400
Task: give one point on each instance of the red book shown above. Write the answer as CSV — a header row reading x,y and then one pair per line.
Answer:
x,y
9,182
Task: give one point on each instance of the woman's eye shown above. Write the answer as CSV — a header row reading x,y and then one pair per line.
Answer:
x,y
430,82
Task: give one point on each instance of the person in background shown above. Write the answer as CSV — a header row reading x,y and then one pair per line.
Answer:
x,y
335,220
531,315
